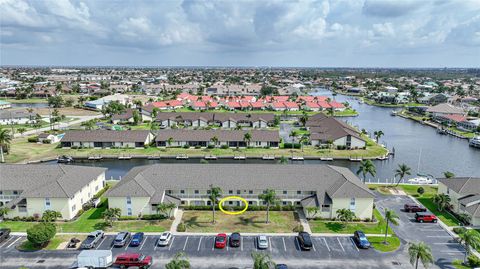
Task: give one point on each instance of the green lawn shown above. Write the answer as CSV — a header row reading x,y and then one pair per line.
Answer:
x,y
393,243
324,226
53,244
459,264
349,112
92,220
444,216
250,221
412,190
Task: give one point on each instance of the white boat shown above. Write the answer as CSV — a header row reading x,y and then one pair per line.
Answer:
x,y
382,158
268,157
394,113
475,142
182,157
420,180
239,157
210,157
297,158
326,159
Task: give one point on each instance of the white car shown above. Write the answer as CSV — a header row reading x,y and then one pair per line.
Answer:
x,y
164,239
420,180
262,242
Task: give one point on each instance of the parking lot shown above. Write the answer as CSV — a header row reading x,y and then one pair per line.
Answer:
x,y
444,247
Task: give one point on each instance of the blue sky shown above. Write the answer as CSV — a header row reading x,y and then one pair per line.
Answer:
x,y
341,33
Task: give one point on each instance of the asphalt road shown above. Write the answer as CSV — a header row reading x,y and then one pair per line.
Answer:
x,y
328,252
444,248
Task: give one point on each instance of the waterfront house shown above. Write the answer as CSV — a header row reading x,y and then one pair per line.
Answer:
x,y
224,120
325,130
329,187
47,138
203,138
464,193
30,189
9,116
125,117
106,139
444,109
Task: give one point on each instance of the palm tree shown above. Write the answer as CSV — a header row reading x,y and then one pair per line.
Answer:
x,y
312,211
21,130
330,111
293,134
51,215
470,239
165,208
377,135
303,140
346,215
420,251
4,211
390,217
401,172
179,261
269,198
215,193
89,125
283,160
5,139
366,167
304,118
247,137
448,174
262,261
214,140
170,141
111,214
442,201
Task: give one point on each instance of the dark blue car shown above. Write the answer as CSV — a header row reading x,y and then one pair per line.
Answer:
x,y
136,240
361,240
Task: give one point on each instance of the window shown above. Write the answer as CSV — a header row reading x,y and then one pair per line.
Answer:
x,y
182,191
129,211
230,192
250,192
129,200
325,208
238,191
299,192
1,192
96,188
230,202
74,207
15,192
196,191
47,202
284,192
250,202
284,203
352,204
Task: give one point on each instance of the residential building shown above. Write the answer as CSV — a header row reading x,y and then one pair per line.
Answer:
x,y
224,120
125,117
444,109
30,189
9,116
106,139
464,193
325,130
326,187
47,138
230,138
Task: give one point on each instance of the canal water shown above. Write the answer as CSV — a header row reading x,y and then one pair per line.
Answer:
x,y
29,105
416,145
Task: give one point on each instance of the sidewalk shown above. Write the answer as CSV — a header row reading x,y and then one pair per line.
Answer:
x,y
304,221
178,219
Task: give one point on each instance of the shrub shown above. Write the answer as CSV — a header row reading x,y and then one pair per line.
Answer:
x,y
210,146
459,230
473,261
128,218
298,228
224,147
153,217
41,233
198,147
47,141
290,145
420,190
186,146
181,227
33,139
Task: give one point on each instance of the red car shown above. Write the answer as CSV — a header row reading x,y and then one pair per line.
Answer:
x,y
139,260
220,240
425,217
414,208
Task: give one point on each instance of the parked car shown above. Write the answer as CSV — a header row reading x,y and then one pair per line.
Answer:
x,y
235,239
136,239
304,240
139,260
262,242
361,240
93,259
121,239
425,217
4,234
164,239
220,240
414,208
281,266
93,239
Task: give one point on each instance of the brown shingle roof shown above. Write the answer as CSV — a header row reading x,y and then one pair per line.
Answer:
x,y
222,135
211,116
105,136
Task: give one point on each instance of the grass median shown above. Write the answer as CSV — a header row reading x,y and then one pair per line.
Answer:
x,y
327,226
248,222
393,243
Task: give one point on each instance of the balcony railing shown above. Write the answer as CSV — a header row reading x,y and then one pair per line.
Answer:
x,y
245,196
8,197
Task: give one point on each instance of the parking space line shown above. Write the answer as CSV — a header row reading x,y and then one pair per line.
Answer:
x,y
155,242
326,244
185,245
127,244
440,236
297,244
101,242
14,242
446,244
6,242
241,244
171,244
143,243
213,245
454,252
353,243
199,243
313,245
284,246
338,239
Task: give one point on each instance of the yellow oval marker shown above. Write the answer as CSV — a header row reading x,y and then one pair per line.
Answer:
x,y
232,198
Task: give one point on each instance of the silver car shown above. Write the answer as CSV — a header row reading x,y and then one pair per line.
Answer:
x,y
164,239
262,242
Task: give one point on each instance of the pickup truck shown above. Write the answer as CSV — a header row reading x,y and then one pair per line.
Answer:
x,y
93,239
139,260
